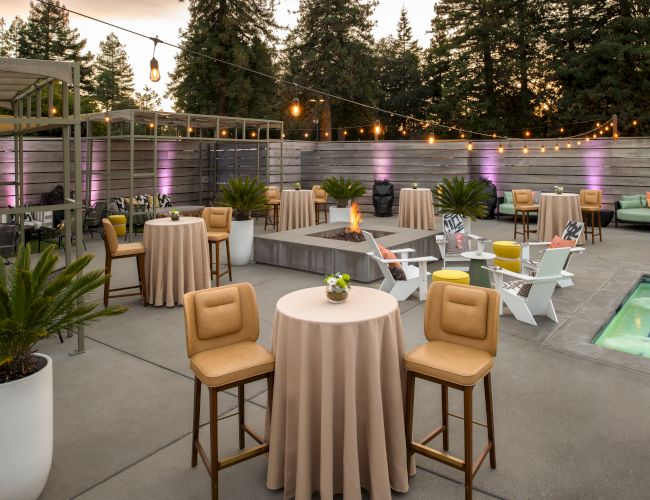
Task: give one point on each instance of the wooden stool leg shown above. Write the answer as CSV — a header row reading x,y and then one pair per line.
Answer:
x,y
211,263
600,228
408,414
317,213
266,217
269,393
141,277
214,444
467,424
195,419
489,410
217,244
107,272
445,417
515,235
241,403
228,256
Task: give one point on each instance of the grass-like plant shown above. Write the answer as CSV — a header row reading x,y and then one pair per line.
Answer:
x,y
342,189
244,195
465,198
41,302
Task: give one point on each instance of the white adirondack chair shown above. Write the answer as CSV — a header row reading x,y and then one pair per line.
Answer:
x,y
416,275
572,231
453,224
528,296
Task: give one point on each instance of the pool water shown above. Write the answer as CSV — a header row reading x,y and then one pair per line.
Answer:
x,y
629,329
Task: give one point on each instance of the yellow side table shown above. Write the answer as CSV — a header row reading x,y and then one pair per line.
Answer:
x,y
508,255
119,223
452,276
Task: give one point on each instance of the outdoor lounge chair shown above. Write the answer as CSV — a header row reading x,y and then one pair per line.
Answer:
x,y
528,296
572,232
453,224
416,276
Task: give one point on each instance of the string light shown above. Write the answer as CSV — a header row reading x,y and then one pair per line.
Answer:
x,y
556,147
253,134
361,131
635,123
432,139
151,125
224,133
543,149
587,139
600,132
462,135
579,143
568,145
500,149
190,129
107,118
527,133
295,107
54,111
606,128
327,134
345,132
470,146
615,135
561,130
377,128
597,124
494,135
154,71
525,150
306,135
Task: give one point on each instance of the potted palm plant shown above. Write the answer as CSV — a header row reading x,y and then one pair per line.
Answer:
x,y
245,196
342,190
465,198
35,304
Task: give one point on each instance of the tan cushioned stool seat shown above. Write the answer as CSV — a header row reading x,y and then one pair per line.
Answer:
x,y
589,209
128,249
452,276
450,362
272,202
231,363
217,235
527,208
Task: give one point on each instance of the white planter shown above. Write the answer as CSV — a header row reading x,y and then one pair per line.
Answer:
x,y
26,429
468,225
241,242
339,214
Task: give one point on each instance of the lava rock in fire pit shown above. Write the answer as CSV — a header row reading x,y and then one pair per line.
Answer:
x,y
348,236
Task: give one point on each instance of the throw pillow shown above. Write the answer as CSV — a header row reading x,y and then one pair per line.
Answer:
x,y
558,242
536,197
647,198
507,197
456,243
164,200
387,254
398,273
631,203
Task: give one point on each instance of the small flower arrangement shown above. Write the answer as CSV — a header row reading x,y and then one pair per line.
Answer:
x,y
414,185
174,214
296,186
559,190
337,287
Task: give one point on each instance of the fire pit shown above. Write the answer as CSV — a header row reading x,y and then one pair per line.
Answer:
x,y
351,232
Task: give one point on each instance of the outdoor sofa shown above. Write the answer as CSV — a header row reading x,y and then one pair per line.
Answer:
x,y
633,208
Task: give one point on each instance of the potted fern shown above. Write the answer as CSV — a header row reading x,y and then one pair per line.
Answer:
x,y
245,196
35,304
343,191
465,198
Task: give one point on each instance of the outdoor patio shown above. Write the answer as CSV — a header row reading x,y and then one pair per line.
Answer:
x,y
571,420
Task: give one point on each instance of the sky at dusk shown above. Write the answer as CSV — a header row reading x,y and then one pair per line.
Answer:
x,y
165,17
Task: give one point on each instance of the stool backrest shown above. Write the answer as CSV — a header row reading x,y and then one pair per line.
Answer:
x,y
216,317
591,198
110,236
462,314
218,218
273,193
319,192
522,197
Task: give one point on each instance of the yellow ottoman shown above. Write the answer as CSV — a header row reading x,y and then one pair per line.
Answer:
x,y
508,255
119,223
452,276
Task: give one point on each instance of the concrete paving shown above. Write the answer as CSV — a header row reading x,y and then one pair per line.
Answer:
x,y
571,418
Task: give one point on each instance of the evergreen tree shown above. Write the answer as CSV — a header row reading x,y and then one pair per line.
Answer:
x,y
10,36
113,75
400,77
148,99
47,35
330,49
238,32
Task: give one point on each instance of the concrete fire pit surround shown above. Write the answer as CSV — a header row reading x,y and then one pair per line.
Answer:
x,y
304,250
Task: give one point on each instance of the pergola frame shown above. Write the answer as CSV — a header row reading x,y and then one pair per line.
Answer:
x,y
24,80
196,128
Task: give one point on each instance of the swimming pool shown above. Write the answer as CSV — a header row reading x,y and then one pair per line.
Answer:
x,y
629,329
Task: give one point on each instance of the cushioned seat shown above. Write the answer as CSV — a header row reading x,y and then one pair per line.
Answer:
x,y
217,236
232,363
451,276
119,223
508,255
633,215
124,249
451,362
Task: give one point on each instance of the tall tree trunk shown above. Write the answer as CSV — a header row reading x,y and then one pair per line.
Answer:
x,y
326,121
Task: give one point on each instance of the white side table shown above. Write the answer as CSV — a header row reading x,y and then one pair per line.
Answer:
x,y
477,275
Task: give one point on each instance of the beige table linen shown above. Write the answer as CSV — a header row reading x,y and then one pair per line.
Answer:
x,y
176,259
555,210
337,421
297,209
416,208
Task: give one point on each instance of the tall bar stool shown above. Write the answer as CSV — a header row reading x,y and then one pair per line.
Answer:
x,y
217,223
320,200
115,250
221,330
461,323
273,196
524,204
591,202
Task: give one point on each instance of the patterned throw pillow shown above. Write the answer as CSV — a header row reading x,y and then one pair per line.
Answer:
x,y
456,243
142,201
164,200
453,223
387,254
573,230
558,242
118,204
519,287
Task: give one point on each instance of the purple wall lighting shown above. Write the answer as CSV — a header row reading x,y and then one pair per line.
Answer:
x,y
382,160
593,161
167,151
490,162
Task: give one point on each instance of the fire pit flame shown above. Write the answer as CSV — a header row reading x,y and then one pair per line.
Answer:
x,y
355,219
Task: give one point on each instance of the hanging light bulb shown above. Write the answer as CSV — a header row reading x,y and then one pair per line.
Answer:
x,y
600,132
151,125
345,132
306,135
295,107
606,128
525,150
500,149
107,118
190,129
597,124
615,136
494,135
154,71
327,134
635,123
361,131
556,147
462,135
432,139
579,143
53,111
543,149
470,146
587,139
568,145
527,133
253,134
561,130
377,128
